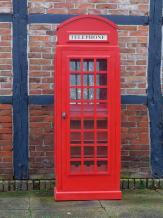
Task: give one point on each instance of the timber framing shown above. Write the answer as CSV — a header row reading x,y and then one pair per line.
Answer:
x,y
20,90
49,99
154,95
20,99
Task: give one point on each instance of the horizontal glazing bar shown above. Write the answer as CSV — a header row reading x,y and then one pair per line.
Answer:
x,y
88,86
89,130
89,159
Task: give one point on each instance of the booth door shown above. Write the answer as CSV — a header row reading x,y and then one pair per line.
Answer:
x,y
88,131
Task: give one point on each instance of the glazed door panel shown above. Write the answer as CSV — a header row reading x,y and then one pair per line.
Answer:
x,y
88,120
88,116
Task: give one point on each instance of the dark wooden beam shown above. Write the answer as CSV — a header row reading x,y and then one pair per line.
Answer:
x,y
134,99
4,17
20,90
49,99
154,95
58,18
5,99
41,99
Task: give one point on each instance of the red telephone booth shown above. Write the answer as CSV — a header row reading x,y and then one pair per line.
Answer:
x,y
87,110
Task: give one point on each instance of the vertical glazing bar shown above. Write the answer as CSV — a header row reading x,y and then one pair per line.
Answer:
x,y
76,91
70,116
82,116
108,111
95,118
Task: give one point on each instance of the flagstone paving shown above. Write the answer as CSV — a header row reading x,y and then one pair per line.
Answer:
x,y
39,204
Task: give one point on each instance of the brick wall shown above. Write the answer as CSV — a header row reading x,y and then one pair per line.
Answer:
x,y
135,141
134,137
5,6
5,59
6,166
133,41
123,7
41,56
6,171
41,144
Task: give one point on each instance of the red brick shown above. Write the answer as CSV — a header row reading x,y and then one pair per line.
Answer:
x,y
114,7
135,140
6,142
58,11
6,119
108,6
39,38
5,59
5,6
41,141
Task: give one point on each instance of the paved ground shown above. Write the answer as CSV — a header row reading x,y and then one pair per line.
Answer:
x,y
136,203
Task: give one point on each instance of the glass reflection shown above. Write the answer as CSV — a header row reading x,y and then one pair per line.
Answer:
x,y
88,80
88,65
74,64
74,80
88,94
75,94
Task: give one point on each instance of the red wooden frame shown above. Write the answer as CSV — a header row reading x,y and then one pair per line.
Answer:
x,y
87,113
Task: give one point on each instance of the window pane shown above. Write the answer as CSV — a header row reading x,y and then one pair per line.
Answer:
x,y
88,124
102,151
88,137
88,65
88,166
101,124
101,65
88,80
88,94
101,79
75,166
75,124
102,137
75,94
102,165
89,152
74,64
75,152
74,80
75,137
101,94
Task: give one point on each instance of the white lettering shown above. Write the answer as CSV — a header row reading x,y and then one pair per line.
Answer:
x,y
88,37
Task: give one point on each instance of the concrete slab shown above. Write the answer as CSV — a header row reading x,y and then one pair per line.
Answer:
x,y
49,202
14,200
48,208
70,213
14,214
160,192
136,203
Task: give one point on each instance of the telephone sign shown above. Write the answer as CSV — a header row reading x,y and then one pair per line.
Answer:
x,y
87,37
